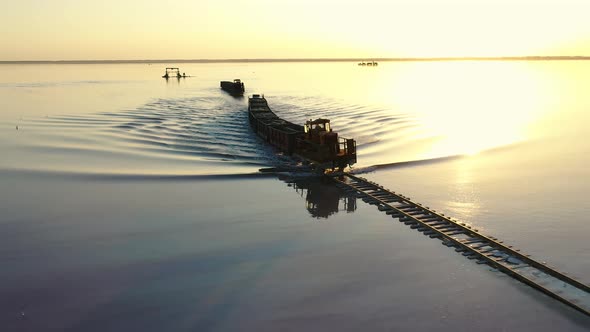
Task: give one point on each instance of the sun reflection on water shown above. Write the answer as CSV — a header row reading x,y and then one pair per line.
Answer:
x,y
469,106
465,198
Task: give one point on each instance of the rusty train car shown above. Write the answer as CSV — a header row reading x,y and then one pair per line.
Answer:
x,y
234,88
314,141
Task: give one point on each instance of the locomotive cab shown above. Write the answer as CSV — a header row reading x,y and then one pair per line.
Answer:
x,y
316,130
319,132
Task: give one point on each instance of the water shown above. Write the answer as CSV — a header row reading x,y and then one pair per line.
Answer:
x,y
128,201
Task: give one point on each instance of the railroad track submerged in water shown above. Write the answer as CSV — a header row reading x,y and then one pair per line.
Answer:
x,y
471,243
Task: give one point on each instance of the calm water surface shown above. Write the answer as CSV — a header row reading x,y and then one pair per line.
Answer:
x,y
111,219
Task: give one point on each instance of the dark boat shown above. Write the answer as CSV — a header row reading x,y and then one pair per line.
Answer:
x,y
314,141
234,88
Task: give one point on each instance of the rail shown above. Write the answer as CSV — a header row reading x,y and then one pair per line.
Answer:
x,y
471,243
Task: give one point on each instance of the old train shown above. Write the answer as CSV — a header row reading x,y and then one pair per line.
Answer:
x,y
234,88
314,141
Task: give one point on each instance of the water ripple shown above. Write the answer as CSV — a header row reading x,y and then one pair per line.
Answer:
x,y
212,131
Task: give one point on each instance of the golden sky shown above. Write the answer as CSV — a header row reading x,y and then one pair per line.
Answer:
x,y
230,29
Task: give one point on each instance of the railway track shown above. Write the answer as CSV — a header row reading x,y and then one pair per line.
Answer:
x,y
471,243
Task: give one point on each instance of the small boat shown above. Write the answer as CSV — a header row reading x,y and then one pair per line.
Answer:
x,y
235,88
314,142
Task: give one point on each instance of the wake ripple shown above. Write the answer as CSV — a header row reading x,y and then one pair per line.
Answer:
x,y
210,135
213,129
367,124
89,176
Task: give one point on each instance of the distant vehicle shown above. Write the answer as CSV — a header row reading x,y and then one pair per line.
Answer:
x,y
315,141
368,63
234,88
172,70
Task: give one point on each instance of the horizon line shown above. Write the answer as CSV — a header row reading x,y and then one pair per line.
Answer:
x,y
258,60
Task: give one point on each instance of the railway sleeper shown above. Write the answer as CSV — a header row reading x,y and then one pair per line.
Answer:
x,y
500,260
430,217
381,198
435,222
449,225
429,221
446,228
411,207
447,231
364,186
480,245
382,194
417,212
520,266
485,251
410,211
492,254
457,232
472,240
440,223
391,200
404,206
500,254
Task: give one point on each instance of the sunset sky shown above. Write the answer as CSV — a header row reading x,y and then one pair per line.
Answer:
x,y
229,29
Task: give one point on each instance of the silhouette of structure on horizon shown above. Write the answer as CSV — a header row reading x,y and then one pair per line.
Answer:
x,y
172,70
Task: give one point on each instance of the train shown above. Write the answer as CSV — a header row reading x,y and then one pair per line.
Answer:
x,y
234,88
314,141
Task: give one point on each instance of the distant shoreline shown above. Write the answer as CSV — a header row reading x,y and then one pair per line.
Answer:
x,y
148,61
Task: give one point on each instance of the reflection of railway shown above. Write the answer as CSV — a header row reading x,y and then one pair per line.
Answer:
x,y
315,141
323,199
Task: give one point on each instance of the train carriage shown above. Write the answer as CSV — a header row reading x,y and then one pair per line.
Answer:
x,y
315,141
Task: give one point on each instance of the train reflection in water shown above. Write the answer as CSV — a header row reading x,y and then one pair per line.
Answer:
x,y
322,198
